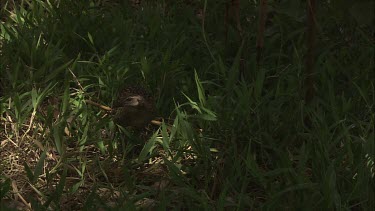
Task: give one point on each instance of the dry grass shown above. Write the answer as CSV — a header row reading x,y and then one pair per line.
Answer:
x,y
19,148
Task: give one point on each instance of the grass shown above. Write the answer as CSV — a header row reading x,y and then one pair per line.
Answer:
x,y
228,144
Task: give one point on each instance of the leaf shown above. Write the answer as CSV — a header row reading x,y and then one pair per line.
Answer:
x,y
193,104
59,189
29,173
174,127
145,66
101,146
66,97
200,89
90,38
174,170
57,71
149,146
39,166
76,186
57,135
165,136
4,187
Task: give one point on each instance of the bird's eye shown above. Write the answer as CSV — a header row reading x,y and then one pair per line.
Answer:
x,y
128,99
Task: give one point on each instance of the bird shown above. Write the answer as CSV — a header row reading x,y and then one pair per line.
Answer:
x,y
134,107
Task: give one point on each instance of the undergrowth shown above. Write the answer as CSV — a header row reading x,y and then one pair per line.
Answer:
x,y
225,142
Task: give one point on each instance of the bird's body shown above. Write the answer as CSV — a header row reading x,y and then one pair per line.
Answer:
x,y
134,107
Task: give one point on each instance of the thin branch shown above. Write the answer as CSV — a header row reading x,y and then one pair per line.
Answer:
x,y
261,29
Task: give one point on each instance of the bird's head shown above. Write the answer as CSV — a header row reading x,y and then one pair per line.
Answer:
x,y
134,101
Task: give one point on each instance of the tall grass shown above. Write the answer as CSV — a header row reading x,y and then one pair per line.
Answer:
x,y
226,143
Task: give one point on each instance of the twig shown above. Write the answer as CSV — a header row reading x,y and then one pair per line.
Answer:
x,y
75,78
17,194
30,124
106,108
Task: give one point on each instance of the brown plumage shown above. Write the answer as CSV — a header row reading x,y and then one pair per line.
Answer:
x,y
134,107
